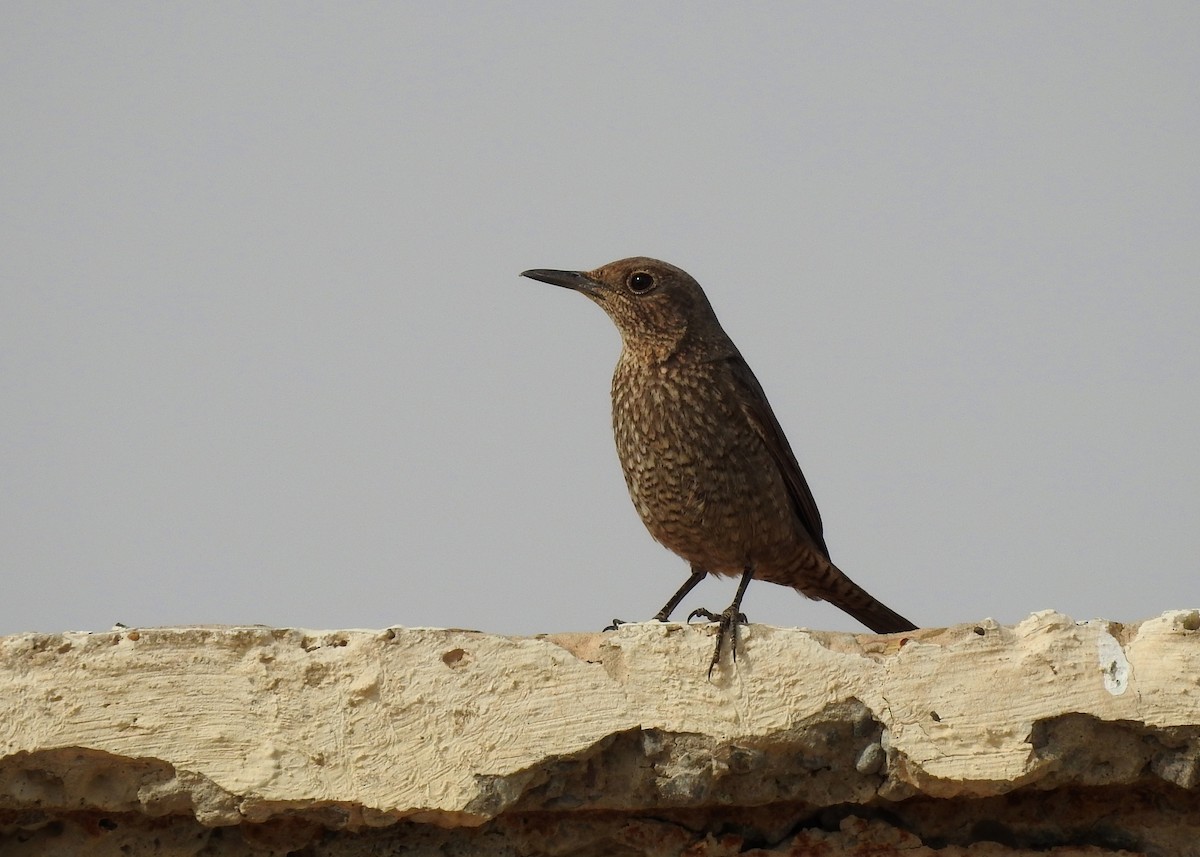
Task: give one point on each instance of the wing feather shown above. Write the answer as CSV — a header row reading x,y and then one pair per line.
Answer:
x,y
754,405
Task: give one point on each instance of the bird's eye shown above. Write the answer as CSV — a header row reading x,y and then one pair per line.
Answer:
x,y
640,282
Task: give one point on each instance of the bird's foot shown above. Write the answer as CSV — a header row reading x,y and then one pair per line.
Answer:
x,y
728,622
715,617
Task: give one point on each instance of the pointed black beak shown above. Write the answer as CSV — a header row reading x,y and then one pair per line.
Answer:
x,y
577,280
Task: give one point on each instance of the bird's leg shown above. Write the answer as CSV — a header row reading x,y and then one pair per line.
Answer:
x,y
729,621
698,574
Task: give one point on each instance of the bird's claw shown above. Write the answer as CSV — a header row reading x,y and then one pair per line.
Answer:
x,y
715,617
727,627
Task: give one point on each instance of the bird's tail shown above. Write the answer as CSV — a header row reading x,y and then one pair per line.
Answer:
x,y
842,592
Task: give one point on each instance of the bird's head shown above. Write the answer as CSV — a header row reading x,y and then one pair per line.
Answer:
x,y
655,305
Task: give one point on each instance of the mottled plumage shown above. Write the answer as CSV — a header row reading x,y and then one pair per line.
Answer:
x,y
707,465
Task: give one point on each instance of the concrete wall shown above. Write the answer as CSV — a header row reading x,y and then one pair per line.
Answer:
x,y
1050,737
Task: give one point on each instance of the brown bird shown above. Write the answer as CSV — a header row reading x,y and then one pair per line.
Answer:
x,y
706,462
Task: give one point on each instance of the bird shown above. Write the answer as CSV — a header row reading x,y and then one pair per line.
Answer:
x,y
707,465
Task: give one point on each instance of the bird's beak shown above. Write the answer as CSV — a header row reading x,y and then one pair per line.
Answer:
x,y
577,280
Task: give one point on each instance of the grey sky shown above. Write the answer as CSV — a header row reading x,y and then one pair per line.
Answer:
x,y
265,357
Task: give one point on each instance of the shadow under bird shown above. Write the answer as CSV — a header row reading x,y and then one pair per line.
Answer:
x,y
706,463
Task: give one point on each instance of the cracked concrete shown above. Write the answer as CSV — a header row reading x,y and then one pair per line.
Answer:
x,y
1049,737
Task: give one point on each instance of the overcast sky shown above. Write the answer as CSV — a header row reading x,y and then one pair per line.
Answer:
x,y
265,356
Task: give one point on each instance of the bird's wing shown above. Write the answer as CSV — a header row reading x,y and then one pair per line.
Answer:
x,y
754,405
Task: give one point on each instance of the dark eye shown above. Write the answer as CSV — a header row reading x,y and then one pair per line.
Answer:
x,y
640,282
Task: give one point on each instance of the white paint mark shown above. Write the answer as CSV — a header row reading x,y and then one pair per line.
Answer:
x,y
1113,664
